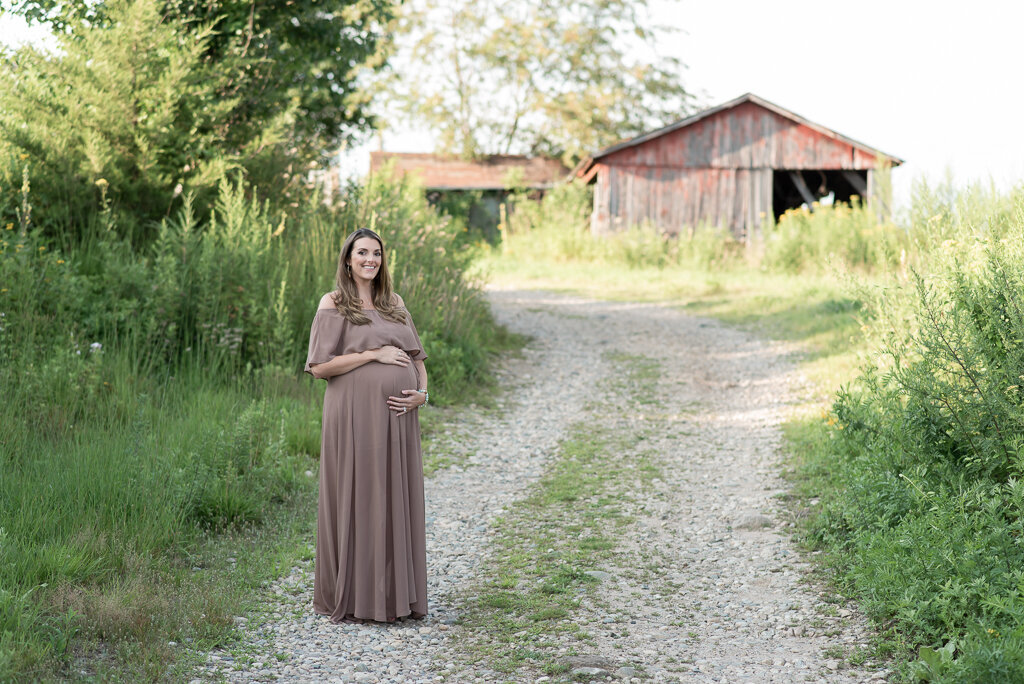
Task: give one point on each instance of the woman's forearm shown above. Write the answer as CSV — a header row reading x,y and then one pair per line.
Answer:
x,y
340,365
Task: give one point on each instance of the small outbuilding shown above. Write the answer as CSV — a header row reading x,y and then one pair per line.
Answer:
x,y
481,186
730,166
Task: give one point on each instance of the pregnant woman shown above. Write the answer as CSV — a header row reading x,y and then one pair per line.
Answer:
x,y
370,548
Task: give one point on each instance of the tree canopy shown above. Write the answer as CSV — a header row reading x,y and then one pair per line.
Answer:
x,y
149,100
530,76
299,55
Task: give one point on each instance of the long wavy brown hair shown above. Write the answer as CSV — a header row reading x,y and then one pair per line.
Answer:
x,y
346,296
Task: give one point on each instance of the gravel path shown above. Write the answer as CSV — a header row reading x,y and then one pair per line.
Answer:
x,y
740,608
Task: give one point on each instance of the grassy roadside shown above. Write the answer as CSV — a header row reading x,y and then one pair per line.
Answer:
x,y
908,477
820,315
136,557
147,561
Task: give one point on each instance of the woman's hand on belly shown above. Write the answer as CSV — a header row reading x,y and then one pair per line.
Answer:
x,y
392,355
409,400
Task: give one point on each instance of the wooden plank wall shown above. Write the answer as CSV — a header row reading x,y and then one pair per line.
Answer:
x,y
675,200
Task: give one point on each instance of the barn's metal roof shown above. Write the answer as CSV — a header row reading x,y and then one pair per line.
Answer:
x,y
438,172
584,165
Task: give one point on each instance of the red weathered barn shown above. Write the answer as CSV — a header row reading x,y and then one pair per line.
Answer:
x,y
729,166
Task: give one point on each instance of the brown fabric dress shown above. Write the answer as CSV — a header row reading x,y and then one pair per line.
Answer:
x,y
371,560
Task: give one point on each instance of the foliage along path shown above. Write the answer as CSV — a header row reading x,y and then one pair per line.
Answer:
x,y
617,515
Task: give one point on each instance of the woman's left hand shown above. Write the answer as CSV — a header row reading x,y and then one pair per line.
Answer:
x,y
410,399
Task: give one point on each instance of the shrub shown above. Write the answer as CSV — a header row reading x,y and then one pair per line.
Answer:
x,y
926,446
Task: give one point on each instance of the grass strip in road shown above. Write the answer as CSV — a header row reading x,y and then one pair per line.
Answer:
x,y
544,546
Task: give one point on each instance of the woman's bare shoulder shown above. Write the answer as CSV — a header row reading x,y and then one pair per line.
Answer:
x,y
327,301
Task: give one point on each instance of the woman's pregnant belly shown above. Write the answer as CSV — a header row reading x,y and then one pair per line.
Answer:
x,y
373,381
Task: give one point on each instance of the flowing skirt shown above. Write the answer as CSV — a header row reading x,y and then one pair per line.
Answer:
x,y
371,550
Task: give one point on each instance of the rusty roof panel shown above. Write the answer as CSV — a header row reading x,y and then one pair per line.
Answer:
x,y
746,137
748,132
438,172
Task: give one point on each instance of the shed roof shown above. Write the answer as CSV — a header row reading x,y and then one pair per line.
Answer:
x,y
439,172
585,165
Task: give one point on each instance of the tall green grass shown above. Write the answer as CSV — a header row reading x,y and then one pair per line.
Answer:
x,y
154,413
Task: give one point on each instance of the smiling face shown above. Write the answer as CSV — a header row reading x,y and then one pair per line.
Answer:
x,y
365,259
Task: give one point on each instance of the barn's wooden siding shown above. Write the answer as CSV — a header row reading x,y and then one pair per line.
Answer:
x,y
673,199
716,169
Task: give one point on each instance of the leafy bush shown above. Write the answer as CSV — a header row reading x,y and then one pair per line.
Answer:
x,y
926,519
146,101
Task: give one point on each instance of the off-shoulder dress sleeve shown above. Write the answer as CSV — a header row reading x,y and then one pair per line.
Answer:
x,y
418,354
324,337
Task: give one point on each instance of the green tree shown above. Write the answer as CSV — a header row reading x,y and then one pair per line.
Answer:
x,y
142,105
127,112
302,57
530,76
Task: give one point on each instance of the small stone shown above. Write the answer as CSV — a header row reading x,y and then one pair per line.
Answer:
x,y
832,664
752,521
599,575
625,672
590,672
362,667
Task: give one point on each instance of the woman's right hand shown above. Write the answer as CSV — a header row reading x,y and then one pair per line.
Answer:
x,y
392,355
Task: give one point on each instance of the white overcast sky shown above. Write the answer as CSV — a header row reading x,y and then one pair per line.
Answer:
x,y
937,84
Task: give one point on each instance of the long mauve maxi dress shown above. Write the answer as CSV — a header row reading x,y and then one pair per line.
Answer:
x,y
371,560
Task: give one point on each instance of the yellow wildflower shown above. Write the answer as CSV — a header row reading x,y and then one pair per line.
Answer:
x,y
60,261
9,226
42,248
23,156
102,183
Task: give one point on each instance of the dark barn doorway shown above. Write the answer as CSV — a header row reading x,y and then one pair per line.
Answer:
x,y
792,189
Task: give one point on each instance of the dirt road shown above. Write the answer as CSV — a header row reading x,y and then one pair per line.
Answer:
x,y
723,595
